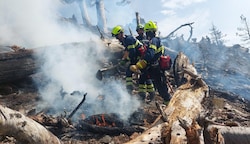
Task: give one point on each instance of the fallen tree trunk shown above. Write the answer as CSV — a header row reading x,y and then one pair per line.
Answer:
x,y
24,129
217,134
186,104
17,65
21,63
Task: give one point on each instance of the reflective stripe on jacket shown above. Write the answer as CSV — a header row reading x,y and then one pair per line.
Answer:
x,y
154,51
132,45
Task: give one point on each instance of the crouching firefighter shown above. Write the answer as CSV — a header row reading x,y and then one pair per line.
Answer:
x,y
155,61
134,50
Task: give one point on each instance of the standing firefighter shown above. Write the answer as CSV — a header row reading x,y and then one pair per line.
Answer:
x,y
140,31
145,81
154,60
131,53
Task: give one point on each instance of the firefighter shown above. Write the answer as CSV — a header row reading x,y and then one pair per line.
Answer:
x,y
140,31
131,52
151,60
145,82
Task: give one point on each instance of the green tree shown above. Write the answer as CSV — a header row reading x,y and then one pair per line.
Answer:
x,y
217,37
244,32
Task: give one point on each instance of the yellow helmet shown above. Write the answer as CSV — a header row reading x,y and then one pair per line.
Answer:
x,y
150,26
140,26
116,30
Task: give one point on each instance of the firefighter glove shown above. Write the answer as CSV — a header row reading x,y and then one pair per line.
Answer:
x,y
135,69
141,64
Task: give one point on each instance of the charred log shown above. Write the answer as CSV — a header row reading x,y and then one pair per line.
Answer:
x,y
78,106
108,124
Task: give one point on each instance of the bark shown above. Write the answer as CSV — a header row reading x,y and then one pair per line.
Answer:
x,y
17,65
24,129
217,134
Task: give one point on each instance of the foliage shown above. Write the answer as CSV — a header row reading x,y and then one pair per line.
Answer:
x,y
244,31
216,36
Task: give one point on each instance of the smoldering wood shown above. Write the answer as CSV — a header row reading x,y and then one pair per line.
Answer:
x,y
109,124
78,106
24,129
59,122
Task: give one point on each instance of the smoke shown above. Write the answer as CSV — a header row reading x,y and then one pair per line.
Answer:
x,y
69,58
70,69
223,68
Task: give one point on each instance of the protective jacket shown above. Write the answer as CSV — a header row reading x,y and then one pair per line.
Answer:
x,y
151,61
141,37
154,51
132,45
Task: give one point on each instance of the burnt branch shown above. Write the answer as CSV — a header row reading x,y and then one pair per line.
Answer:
x,y
183,25
78,106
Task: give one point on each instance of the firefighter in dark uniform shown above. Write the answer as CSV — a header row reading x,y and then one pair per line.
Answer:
x,y
131,53
145,81
151,60
140,31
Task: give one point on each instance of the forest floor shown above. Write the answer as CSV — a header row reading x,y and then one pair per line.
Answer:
x,y
224,108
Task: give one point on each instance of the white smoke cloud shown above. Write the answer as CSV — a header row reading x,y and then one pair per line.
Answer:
x,y
33,23
69,59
